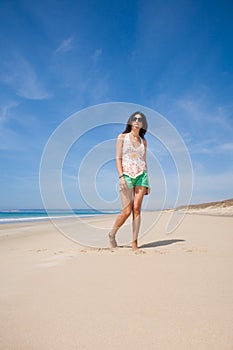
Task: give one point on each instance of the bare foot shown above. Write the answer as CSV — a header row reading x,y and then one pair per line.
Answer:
x,y
135,245
112,240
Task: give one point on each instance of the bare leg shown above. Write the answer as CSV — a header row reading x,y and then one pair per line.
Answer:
x,y
139,192
126,200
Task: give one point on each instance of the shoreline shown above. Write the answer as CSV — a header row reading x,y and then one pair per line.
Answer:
x,y
23,219
210,210
37,227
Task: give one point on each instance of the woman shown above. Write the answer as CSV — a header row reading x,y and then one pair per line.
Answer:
x,y
132,170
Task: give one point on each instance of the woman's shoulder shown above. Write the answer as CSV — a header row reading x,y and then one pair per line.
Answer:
x,y
121,137
144,141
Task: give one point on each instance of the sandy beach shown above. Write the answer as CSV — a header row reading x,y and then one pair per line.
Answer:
x,y
175,293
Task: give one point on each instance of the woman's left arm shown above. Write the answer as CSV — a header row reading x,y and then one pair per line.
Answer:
x,y
145,153
145,146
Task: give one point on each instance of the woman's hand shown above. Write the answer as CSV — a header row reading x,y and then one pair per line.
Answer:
x,y
123,184
147,191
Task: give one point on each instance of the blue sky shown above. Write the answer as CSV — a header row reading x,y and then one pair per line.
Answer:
x,y
60,57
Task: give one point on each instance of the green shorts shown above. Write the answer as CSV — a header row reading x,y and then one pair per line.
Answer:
x,y
140,180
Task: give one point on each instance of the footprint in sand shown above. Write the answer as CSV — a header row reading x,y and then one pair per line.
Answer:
x,y
56,259
41,250
138,252
195,250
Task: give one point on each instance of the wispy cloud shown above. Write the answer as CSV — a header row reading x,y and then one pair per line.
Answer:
x,y
18,130
65,46
5,110
228,147
209,187
9,139
96,55
201,110
209,146
195,107
21,76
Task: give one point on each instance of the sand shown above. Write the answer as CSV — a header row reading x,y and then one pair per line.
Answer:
x,y
175,293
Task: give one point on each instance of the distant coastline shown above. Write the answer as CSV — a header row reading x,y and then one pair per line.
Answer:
x,y
222,208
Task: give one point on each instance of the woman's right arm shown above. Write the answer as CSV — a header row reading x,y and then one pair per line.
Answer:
x,y
119,146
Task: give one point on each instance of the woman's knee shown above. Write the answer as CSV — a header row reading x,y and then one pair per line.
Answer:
x,y
136,210
126,212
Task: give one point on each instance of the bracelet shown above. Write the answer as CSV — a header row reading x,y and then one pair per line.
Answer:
x,y
121,176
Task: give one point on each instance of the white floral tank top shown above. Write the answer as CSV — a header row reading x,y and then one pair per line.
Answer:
x,y
133,163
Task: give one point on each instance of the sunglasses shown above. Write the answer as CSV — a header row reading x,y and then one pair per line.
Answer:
x,y
140,120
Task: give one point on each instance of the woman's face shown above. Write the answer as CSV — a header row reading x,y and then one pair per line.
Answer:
x,y
137,121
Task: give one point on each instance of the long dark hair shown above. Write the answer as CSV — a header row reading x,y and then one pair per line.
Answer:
x,y
144,127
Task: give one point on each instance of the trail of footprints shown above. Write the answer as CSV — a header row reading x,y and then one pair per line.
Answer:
x,y
50,257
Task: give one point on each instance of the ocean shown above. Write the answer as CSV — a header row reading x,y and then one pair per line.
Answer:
x,y
28,215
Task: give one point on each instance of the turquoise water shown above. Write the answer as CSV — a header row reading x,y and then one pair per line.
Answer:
x,y
27,215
